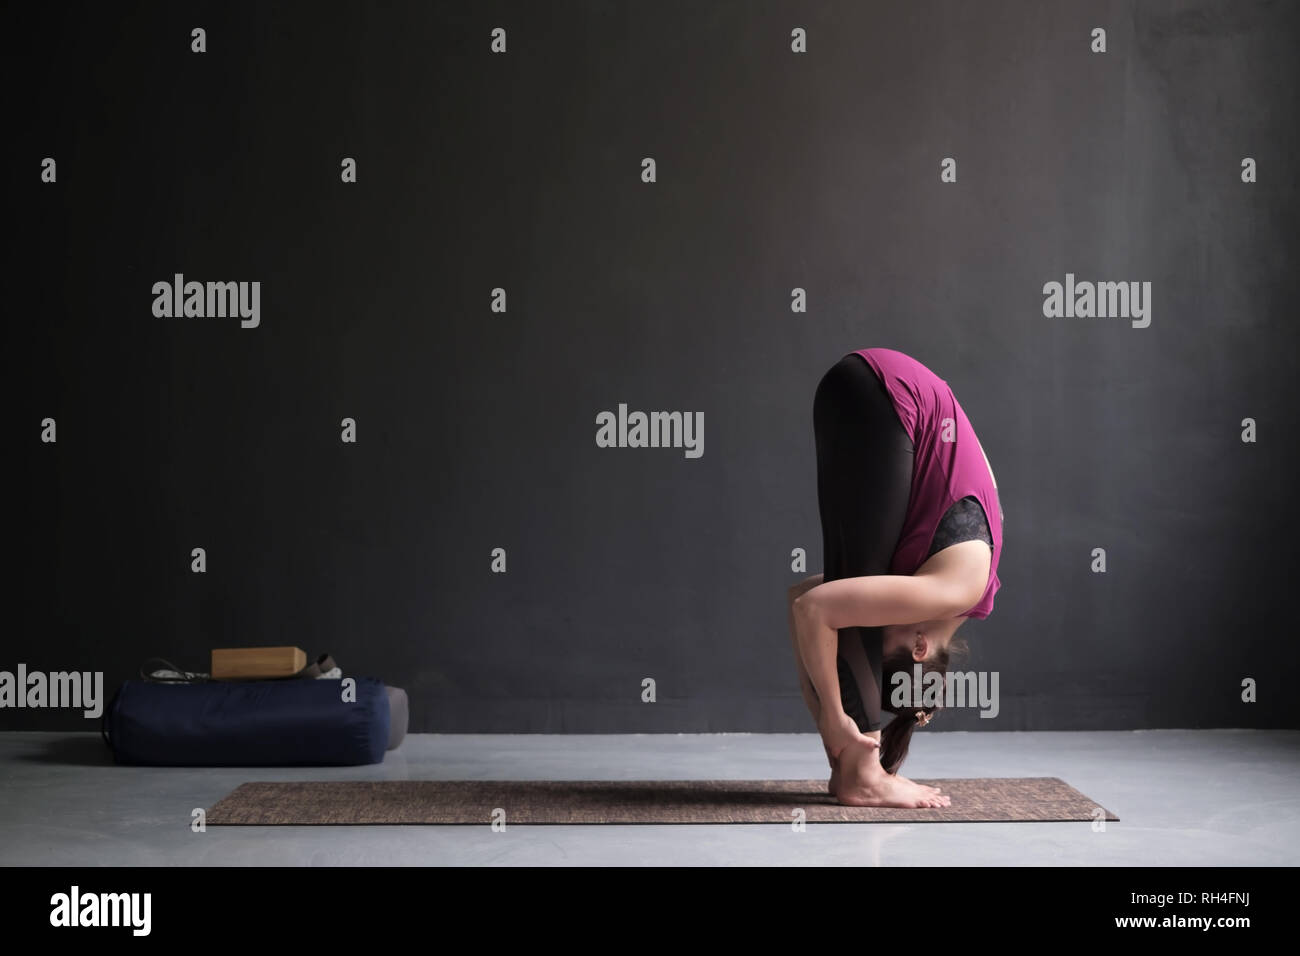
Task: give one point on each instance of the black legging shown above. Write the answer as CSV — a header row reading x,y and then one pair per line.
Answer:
x,y
864,482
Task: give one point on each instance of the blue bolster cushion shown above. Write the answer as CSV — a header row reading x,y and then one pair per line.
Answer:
x,y
266,723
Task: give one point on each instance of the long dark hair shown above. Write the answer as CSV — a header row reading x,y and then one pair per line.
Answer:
x,y
897,734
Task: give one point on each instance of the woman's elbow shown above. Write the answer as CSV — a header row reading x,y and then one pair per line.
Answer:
x,y
806,609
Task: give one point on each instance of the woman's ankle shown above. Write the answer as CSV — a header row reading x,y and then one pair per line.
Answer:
x,y
859,764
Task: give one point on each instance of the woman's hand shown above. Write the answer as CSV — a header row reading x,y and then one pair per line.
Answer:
x,y
838,730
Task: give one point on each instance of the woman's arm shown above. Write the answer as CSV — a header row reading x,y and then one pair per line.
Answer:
x,y
816,650
795,592
805,685
949,583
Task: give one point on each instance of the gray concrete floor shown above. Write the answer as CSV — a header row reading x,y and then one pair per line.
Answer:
x,y
1210,797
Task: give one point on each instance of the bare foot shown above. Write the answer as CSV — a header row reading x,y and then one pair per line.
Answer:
x,y
864,783
833,784
923,786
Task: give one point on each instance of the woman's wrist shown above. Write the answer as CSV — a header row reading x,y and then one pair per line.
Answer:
x,y
831,710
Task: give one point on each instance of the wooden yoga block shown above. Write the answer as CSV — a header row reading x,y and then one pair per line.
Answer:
x,y
253,663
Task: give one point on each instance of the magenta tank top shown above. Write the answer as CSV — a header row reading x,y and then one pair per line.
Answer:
x,y
949,463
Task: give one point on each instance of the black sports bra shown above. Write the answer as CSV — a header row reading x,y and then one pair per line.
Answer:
x,y
964,521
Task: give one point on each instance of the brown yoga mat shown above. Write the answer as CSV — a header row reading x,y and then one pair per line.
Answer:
x,y
315,803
